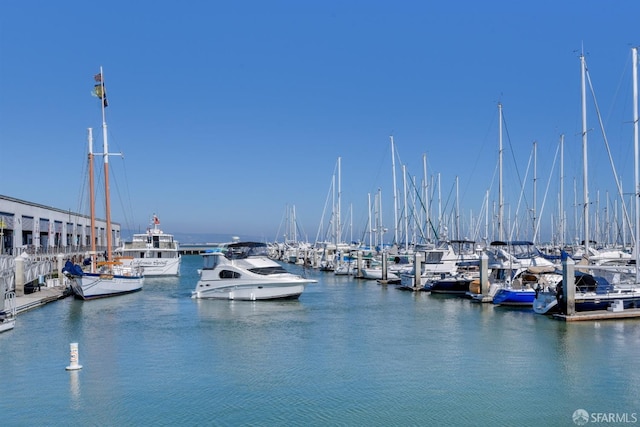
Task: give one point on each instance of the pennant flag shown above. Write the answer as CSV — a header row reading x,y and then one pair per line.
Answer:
x,y
156,220
98,91
98,77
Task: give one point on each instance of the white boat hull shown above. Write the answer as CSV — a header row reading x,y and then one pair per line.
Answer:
x,y
248,291
7,324
8,314
96,285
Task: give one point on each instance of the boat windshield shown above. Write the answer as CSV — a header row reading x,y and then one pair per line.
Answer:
x,y
268,270
210,261
239,252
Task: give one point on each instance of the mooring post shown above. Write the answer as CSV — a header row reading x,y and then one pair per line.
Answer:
x,y
19,275
417,268
384,266
569,284
484,275
359,265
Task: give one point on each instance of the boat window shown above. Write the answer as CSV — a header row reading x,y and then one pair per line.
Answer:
x,y
433,257
209,262
228,274
268,270
239,252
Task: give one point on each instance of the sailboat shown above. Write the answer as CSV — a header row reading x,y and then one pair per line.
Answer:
x,y
109,277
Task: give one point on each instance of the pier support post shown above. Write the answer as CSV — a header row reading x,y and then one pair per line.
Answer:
x,y
359,265
569,285
19,272
384,266
59,267
484,275
417,268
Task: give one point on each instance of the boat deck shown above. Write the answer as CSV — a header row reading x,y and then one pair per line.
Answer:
x,y
599,315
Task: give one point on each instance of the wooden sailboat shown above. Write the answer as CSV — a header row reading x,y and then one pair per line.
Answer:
x,y
110,277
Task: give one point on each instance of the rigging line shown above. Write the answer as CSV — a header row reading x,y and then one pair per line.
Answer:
x,y
515,163
544,199
515,223
324,211
608,148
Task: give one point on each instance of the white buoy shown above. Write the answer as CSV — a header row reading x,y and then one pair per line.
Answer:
x,y
73,366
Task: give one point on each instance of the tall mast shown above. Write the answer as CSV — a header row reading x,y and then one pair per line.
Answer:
x,y
105,146
457,209
535,190
562,216
406,215
369,214
425,193
585,182
395,193
338,226
634,52
92,201
500,196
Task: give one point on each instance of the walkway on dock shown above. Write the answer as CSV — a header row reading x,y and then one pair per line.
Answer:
x,y
40,297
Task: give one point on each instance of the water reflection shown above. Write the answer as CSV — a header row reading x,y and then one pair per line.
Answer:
x,y
74,389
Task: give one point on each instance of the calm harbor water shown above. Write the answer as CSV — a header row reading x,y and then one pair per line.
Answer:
x,y
349,352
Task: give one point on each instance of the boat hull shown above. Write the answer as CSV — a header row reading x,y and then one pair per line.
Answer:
x,y
515,297
95,285
248,291
7,324
449,286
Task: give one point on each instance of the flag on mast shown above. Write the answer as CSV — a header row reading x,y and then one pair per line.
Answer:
x,y
99,90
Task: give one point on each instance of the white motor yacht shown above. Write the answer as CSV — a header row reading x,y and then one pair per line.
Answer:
x,y
243,271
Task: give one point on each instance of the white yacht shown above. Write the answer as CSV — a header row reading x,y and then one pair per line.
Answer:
x,y
243,271
158,253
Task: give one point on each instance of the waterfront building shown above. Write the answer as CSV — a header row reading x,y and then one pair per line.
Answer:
x,y
35,228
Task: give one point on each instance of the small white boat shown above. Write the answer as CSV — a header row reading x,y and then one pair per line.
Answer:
x,y
8,314
157,252
243,271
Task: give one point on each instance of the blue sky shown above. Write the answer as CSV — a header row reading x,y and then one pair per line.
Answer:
x,y
230,112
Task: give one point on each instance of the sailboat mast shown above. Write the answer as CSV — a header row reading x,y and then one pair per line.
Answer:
x,y
405,216
500,196
535,191
395,192
562,216
92,201
585,183
105,145
634,52
338,225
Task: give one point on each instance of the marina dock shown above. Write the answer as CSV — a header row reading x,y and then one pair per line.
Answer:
x,y
629,313
40,297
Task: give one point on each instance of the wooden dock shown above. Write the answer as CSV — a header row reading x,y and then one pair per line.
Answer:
x,y
629,313
39,298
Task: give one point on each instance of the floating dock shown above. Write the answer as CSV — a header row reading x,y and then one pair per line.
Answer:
x,y
629,313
